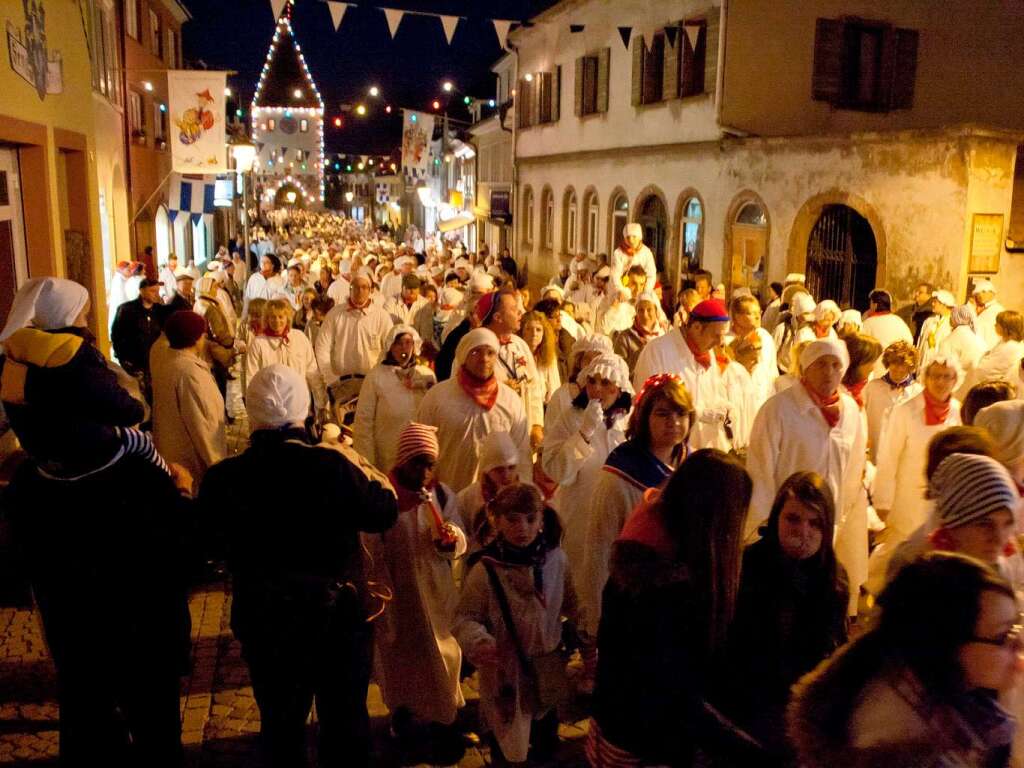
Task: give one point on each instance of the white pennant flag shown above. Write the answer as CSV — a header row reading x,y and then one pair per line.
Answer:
x,y
337,12
501,27
449,23
363,159
692,32
394,18
277,6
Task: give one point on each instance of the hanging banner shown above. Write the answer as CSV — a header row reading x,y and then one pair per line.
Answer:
x,y
194,195
197,121
337,12
394,18
625,33
501,27
417,133
449,23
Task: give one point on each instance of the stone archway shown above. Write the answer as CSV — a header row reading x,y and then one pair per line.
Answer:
x,y
650,211
809,215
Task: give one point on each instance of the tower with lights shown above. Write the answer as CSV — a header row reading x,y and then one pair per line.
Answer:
x,y
288,124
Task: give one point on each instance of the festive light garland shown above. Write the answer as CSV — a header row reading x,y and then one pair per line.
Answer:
x,y
284,25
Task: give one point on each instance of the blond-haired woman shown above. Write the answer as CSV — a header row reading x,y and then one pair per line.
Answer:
x,y
278,342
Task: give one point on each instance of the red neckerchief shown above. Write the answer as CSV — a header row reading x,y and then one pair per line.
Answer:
x,y
642,332
829,407
722,359
283,335
629,251
483,393
362,309
857,391
819,333
935,411
703,358
256,326
645,526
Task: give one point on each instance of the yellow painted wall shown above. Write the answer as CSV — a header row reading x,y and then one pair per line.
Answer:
x,y
70,110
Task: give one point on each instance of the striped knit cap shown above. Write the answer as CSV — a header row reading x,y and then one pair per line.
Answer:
x,y
414,440
967,488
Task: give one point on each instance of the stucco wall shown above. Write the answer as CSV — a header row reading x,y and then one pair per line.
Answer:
x,y
915,189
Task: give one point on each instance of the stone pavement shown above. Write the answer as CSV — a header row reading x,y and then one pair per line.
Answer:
x,y
220,719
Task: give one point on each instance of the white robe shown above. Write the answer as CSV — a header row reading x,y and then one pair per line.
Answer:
x,y
621,262
462,426
986,323
933,331
351,341
170,284
387,404
539,627
670,354
417,659
902,453
576,465
790,435
515,367
260,287
403,314
999,363
879,400
967,347
887,328
297,354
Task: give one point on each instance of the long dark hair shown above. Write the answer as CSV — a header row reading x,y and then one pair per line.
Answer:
x,y
704,507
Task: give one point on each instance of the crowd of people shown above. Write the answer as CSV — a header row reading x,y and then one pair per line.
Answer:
x,y
766,530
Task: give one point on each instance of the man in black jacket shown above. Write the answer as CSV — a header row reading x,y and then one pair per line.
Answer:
x,y
137,325
301,606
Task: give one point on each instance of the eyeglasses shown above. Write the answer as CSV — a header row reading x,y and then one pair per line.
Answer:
x,y
1012,638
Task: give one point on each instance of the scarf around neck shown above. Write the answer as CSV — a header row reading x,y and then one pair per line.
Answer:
x,y
483,393
935,411
898,384
532,556
642,332
283,335
857,391
702,358
829,406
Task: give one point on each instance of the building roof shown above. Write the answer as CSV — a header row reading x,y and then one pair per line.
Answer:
x,y
285,72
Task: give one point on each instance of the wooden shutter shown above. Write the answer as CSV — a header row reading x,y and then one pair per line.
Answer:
x,y
543,80
691,75
710,35
670,65
556,94
653,67
904,69
636,92
827,77
578,88
603,61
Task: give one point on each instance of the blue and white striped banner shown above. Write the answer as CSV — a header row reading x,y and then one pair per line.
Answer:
x,y
191,194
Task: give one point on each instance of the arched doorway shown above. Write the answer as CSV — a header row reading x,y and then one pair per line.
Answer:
x,y
748,245
653,218
842,257
289,196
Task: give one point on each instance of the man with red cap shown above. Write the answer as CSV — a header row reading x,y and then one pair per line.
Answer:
x,y
814,426
188,409
689,353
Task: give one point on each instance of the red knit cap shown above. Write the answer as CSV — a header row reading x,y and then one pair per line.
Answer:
x,y
183,328
710,311
415,440
485,307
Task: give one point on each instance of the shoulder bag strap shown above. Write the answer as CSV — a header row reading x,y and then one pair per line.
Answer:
x,y
506,615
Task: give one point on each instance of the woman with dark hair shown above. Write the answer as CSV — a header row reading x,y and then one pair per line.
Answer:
x,y
666,610
655,445
790,610
982,396
864,352
922,687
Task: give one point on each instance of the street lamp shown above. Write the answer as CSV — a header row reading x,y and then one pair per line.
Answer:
x,y
348,196
447,86
243,150
374,91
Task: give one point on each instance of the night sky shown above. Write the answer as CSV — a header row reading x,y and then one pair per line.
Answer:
x,y
409,70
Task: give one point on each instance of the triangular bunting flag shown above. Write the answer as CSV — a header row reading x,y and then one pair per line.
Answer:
x,y
337,12
449,23
575,28
692,33
625,33
501,27
670,34
363,159
277,6
394,18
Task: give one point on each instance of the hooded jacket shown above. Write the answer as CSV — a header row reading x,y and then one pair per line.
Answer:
x,y
63,401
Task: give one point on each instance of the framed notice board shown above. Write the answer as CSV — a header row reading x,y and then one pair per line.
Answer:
x,y
986,242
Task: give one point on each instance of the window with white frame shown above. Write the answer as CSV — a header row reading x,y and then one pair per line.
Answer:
x,y
571,222
106,54
131,18
135,121
619,218
159,122
690,236
592,219
303,126
547,222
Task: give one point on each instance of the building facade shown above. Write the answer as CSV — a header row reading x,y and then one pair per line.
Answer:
x,y
845,143
491,135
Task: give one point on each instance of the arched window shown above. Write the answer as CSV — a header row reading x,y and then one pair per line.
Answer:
x,y
753,214
590,238
690,235
547,219
526,210
569,228
749,244
619,216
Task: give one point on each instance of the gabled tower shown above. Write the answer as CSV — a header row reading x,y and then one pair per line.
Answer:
x,y
288,123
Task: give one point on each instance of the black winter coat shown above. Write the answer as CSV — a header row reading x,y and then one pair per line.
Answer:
x,y
446,357
135,329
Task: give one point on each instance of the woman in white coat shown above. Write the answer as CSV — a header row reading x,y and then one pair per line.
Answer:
x,y
964,344
900,483
278,342
898,385
585,349
575,449
391,393
1002,361
417,658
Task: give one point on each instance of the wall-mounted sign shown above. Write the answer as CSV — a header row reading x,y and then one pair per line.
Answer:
x,y
986,242
500,205
42,68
